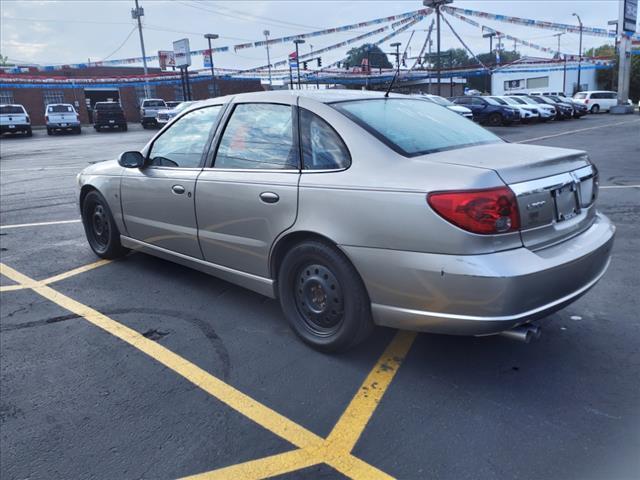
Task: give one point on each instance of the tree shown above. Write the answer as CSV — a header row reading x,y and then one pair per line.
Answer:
x,y
608,78
377,58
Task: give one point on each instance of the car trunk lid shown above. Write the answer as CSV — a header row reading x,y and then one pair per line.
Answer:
x,y
555,188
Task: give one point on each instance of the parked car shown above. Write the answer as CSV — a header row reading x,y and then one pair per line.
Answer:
x,y
62,117
579,109
173,103
563,111
459,109
486,110
14,119
526,114
163,116
109,115
149,109
354,209
547,112
597,100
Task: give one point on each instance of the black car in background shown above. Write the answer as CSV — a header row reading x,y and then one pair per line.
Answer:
x,y
563,110
487,110
579,109
109,115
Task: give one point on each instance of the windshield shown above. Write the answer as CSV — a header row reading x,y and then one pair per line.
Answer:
x,y
10,109
580,95
498,100
510,101
491,101
440,101
60,108
153,103
415,127
518,100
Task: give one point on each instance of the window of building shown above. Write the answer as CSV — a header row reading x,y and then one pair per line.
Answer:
x,y
6,96
213,92
322,148
141,95
513,84
258,135
183,144
538,82
53,96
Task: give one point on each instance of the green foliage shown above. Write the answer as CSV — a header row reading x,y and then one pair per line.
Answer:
x,y
608,79
377,58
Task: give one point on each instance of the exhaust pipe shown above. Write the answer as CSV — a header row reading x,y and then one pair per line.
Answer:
x,y
521,334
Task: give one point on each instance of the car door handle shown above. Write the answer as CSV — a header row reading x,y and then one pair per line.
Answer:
x,y
179,189
269,197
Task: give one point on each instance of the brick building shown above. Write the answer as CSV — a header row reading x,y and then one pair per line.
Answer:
x,y
84,87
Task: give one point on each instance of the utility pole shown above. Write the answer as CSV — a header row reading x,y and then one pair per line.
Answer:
x,y
136,13
627,18
579,49
559,35
298,41
209,37
436,4
396,45
490,36
266,37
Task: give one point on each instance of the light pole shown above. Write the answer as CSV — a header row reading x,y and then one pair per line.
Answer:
x,y
298,41
579,49
266,34
396,45
436,4
490,36
209,37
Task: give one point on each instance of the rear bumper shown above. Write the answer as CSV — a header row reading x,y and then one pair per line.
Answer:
x,y
63,126
481,294
23,127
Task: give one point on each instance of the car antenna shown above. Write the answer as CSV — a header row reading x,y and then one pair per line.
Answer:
x,y
386,94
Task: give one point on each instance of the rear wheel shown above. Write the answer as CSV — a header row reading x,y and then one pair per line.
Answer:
x,y
49,132
595,109
124,127
495,120
323,297
28,132
100,228
77,130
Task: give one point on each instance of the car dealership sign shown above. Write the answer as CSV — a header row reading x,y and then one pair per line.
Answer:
x,y
182,53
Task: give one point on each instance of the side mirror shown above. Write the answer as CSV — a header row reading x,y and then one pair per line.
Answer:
x,y
131,160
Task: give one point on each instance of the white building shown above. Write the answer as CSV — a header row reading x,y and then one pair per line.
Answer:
x,y
544,75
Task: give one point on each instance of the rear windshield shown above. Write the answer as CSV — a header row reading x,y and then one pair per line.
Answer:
x,y
10,109
498,100
60,109
108,106
153,103
440,101
415,127
580,95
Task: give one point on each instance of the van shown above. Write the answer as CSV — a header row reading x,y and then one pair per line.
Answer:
x,y
597,100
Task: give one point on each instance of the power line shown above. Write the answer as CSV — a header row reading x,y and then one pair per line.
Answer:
x,y
121,45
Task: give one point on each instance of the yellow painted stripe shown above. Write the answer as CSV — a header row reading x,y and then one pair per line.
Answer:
x,y
12,288
353,421
247,406
262,468
76,271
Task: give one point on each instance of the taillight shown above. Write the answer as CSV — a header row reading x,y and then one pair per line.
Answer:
x,y
485,212
586,100
28,119
46,118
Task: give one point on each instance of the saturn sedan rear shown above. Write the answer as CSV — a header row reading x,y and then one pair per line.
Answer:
x,y
355,209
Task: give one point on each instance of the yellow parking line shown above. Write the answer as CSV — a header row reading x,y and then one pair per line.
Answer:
x,y
353,421
40,224
12,288
55,278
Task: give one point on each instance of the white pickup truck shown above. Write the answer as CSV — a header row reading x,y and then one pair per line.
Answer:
x,y
62,117
149,109
14,119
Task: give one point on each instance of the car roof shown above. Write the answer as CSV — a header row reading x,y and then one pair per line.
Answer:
x,y
153,100
55,104
11,105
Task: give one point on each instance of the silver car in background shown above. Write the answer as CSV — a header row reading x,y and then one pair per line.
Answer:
x,y
355,209
459,109
173,109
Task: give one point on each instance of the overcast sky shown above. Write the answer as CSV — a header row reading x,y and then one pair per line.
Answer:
x,y
73,31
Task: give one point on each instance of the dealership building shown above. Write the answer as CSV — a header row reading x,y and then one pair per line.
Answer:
x,y
84,87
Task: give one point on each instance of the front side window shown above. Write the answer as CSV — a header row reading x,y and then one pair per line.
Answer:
x,y
258,136
182,145
322,148
478,101
415,127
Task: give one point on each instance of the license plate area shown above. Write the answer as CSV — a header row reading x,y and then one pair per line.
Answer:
x,y
566,202
112,121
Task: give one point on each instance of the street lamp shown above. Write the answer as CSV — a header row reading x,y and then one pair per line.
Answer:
x,y
266,34
209,37
396,45
436,4
579,48
298,41
490,36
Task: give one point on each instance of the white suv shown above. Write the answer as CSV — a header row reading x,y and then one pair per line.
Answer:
x,y
597,100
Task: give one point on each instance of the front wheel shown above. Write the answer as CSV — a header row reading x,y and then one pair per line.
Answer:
x,y
595,109
29,132
495,119
323,297
100,228
124,127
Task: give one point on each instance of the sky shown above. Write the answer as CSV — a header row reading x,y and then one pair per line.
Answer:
x,y
73,31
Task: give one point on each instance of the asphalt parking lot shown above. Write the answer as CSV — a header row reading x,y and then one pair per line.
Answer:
x,y
144,369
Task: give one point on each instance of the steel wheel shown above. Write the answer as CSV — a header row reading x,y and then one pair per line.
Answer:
x,y
100,226
319,299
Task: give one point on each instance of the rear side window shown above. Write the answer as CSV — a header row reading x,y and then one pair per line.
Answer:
x,y
258,136
462,101
7,109
182,145
415,127
322,147
60,109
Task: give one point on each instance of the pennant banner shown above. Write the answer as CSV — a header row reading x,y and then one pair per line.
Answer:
x,y
562,27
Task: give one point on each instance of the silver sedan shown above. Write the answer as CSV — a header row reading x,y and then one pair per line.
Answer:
x,y
356,209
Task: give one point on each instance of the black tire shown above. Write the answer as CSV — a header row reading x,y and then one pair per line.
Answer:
x,y
78,130
495,120
49,132
100,228
124,127
323,297
29,132
595,109
97,128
